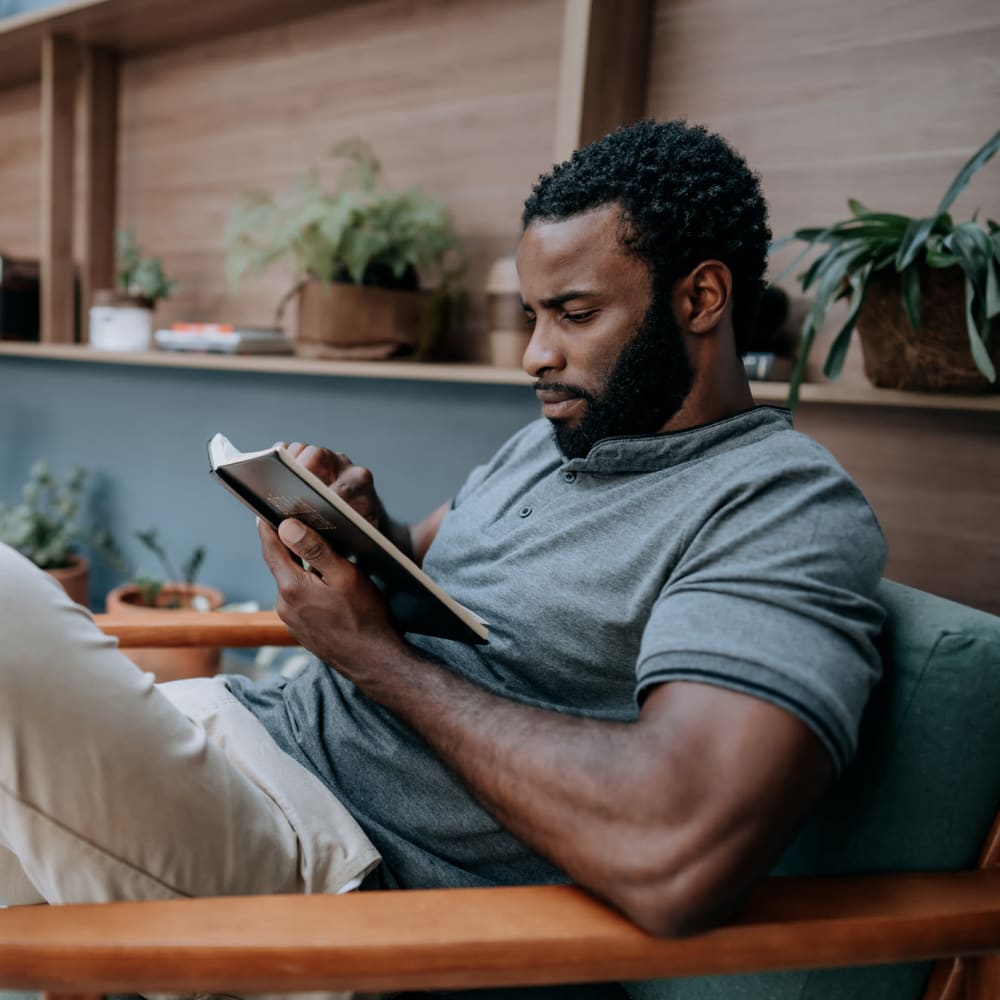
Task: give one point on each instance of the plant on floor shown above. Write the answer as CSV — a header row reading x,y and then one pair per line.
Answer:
x,y
150,587
873,249
46,526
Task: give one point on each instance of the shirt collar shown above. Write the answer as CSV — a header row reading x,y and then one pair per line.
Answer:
x,y
653,452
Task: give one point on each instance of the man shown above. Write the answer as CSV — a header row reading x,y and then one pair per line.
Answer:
x,y
679,589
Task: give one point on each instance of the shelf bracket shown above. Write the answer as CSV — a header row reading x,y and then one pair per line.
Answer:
x,y
58,291
99,131
604,70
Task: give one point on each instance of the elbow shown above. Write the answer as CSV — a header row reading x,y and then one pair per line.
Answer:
x,y
676,901
658,912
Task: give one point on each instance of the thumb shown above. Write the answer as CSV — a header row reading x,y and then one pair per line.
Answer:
x,y
307,544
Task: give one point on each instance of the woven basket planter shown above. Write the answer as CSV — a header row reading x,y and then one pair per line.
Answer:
x,y
360,322
935,358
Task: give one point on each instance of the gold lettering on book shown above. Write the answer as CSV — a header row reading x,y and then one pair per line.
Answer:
x,y
301,509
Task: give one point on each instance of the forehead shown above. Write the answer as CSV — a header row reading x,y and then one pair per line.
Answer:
x,y
583,251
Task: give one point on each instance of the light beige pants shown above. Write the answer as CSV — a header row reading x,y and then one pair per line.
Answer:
x,y
113,787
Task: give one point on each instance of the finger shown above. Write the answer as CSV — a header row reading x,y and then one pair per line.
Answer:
x,y
285,570
322,462
357,486
309,546
295,448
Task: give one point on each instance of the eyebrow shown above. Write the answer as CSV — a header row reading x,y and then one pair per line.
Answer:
x,y
559,300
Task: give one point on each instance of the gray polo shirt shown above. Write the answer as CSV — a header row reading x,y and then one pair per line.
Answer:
x,y
737,554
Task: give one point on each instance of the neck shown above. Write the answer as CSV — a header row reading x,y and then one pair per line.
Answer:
x,y
720,389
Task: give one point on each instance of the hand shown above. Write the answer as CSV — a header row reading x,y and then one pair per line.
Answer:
x,y
352,482
332,608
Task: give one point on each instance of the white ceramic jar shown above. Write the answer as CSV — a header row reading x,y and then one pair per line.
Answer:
x,y
120,323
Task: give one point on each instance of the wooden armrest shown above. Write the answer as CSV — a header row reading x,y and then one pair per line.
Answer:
x,y
484,937
196,628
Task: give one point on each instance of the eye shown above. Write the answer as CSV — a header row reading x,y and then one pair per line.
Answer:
x,y
529,317
583,316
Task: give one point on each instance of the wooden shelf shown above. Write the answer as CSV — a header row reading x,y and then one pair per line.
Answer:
x,y
277,365
132,27
764,392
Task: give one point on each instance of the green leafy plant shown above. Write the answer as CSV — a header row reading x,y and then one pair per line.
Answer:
x,y
872,242
358,231
45,526
137,274
150,587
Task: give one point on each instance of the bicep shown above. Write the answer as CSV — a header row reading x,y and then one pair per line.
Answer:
x,y
744,774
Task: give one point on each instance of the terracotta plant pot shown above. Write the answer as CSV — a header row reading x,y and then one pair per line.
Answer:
x,y
75,579
935,358
168,664
357,321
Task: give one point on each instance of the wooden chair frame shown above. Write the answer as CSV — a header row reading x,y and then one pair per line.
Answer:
x,y
467,938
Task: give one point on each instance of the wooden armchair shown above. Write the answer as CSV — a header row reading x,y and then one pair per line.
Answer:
x,y
466,939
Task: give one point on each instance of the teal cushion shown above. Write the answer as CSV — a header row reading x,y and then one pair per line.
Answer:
x,y
921,794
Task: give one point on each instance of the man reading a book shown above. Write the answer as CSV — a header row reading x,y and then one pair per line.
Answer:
x,y
679,587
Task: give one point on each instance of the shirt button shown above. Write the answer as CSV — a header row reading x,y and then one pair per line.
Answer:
x,y
524,512
569,477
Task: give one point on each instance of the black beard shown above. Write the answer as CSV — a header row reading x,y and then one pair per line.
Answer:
x,y
647,386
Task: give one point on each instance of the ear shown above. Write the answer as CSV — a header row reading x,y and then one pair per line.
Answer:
x,y
702,296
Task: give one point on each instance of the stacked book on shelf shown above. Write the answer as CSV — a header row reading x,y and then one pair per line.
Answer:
x,y
223,338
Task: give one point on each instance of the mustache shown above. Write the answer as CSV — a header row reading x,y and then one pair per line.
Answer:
x,y
572,390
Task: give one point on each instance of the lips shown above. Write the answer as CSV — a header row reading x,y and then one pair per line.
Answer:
x,y
558,404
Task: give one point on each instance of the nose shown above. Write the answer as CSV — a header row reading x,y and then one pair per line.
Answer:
x,y
542,353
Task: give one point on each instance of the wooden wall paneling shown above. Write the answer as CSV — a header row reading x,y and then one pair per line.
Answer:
x,y
880,102
20,155
59,69
99,132
456,98
932,479
603,69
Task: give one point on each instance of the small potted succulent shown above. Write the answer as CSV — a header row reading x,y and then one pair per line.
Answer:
x,y
924,293
359,252
121,319
160,594
46,527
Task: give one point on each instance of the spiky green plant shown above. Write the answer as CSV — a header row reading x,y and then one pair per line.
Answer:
x,y
871,242
148,585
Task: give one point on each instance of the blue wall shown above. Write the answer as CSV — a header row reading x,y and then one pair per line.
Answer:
x,y
141,432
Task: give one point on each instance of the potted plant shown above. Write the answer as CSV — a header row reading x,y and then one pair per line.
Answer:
x,y
923,293
121,319
358,252
46,527
160,595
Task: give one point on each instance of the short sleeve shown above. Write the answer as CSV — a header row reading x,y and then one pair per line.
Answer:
x,y
775,597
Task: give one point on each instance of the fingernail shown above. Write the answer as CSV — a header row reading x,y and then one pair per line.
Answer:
x,y
291,531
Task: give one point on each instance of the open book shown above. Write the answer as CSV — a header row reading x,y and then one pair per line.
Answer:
x,y
275,485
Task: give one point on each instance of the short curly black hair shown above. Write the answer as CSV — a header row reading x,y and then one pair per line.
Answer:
x,y
686,195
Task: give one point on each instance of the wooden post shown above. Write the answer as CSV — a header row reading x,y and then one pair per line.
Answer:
x,y
603,71
59,63
99,132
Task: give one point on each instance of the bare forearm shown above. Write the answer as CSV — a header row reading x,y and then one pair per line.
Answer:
x,y
667,817
656,816
564,784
